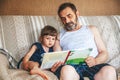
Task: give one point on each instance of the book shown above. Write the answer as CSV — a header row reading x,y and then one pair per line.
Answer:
x,y
68,57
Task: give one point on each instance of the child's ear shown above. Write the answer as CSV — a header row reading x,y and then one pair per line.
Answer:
x,y
40,39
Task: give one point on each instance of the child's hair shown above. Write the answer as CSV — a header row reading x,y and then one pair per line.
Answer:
x,y
48,30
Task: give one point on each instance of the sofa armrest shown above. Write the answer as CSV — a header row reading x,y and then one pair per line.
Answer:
x,y
4,66
17,74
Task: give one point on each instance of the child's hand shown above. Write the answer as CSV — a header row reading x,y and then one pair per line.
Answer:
x,y
56,65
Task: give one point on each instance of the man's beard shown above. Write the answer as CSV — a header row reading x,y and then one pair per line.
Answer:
x,y
70,26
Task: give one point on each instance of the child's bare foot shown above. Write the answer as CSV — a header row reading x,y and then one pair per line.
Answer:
x,y
39,72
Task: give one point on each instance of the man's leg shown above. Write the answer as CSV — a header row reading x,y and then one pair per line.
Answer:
x,y
69,73
106,73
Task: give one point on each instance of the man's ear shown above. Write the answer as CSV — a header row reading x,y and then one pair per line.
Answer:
x,y
77,13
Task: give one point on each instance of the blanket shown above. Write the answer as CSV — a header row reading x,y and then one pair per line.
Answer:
x,y
12,62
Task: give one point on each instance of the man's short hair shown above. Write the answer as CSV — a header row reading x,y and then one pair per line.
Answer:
x,y
65,5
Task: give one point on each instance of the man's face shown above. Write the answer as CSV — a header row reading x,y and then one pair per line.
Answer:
x,y
69,19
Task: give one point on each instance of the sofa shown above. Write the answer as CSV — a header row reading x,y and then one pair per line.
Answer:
x,y
17,33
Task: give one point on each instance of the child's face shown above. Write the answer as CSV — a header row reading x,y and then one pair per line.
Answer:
x,y
48,40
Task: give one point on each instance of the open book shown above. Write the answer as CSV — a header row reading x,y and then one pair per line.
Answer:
x,y
68,57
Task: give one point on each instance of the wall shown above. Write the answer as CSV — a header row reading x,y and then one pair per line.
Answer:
x,y
49,7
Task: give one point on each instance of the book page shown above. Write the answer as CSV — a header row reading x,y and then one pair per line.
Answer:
x,y
78,56
49,59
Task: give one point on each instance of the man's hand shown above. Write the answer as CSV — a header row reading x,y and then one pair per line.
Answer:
x,y
90,61
56,65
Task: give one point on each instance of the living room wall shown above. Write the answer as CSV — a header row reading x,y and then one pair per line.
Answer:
x,y
49,7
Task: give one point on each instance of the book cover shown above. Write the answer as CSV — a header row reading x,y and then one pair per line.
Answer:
x,y
68,57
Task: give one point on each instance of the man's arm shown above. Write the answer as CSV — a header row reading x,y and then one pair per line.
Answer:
x,y
102,52
57,46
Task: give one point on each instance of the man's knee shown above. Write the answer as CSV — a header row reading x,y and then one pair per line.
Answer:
x,y
108,69
67,68
68,71
107,72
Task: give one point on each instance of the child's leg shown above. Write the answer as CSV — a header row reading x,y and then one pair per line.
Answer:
x,y
34,69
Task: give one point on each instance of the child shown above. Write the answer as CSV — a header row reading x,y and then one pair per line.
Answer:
x,y
33,59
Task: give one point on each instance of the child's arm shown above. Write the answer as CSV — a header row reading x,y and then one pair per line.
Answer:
x,y
27,57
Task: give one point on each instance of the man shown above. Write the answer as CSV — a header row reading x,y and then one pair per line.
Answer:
x,y
76,36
